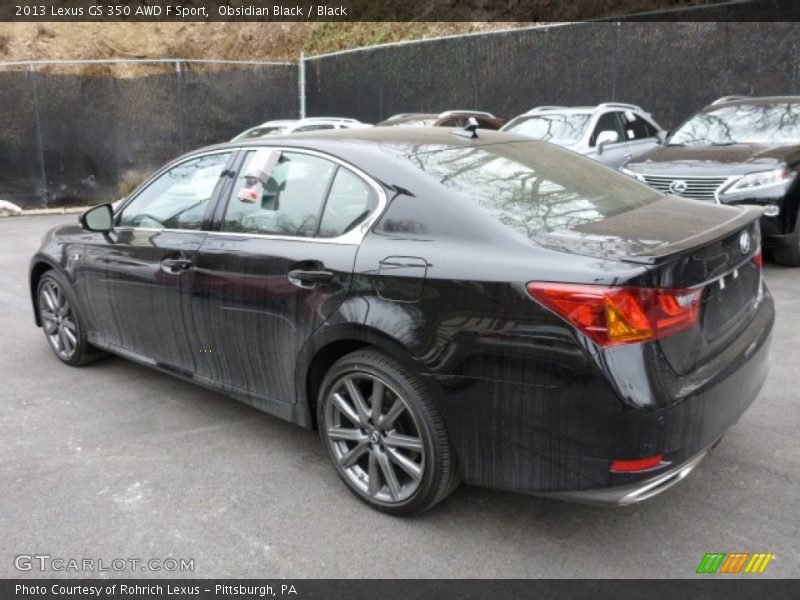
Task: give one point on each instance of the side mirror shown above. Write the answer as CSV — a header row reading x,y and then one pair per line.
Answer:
x,y
100,218
605,137
661,136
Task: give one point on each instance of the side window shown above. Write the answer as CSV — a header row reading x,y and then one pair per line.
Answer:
x,y
178,198
608,122
278,193
314,127
453,122
350,201
636,127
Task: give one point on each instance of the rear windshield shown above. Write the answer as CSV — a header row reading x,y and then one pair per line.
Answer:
x,y
535,187
261,132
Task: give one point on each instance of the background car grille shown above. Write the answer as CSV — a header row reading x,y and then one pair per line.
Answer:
x,y
701,188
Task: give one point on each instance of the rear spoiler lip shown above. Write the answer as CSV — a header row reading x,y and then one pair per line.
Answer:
x,y
746,216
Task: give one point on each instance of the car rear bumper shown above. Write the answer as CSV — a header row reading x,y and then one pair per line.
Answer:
x,y
560,438
624,495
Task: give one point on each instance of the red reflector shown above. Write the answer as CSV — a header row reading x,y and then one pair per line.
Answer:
x,y
758,260
621,315
641,464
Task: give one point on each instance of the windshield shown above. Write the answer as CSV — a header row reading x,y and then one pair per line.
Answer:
x,y
561,129
535,187
768,124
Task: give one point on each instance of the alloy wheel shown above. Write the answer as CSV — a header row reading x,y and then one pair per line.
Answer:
x,y
375,438
58,320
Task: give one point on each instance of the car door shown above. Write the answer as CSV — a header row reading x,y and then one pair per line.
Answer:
x,y
639,132
137,279
278,265
613,153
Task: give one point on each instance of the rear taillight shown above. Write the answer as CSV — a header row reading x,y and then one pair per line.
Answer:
x,y
621,315
640,464
758,259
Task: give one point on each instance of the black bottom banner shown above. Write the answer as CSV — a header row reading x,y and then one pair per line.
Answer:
x,y
395,589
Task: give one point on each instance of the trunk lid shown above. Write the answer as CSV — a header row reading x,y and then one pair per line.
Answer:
x,y
652,233
686,244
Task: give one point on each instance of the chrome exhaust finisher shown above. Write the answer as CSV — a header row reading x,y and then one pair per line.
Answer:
x,y
636,492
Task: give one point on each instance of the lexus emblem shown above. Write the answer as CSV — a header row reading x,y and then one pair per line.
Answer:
x,y
745,242
678,187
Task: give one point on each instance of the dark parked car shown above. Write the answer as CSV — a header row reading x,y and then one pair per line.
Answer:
x,y
737,151
442,307
450,118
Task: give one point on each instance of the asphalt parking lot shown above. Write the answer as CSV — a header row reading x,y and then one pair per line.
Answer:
x,y
118,461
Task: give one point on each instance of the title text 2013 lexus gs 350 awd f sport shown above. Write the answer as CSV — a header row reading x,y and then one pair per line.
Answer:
x,y
442,306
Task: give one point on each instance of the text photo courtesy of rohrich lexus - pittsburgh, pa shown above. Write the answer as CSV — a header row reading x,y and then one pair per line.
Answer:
x,y
353,299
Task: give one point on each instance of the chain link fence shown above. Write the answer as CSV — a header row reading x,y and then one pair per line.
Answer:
x,y
670,68
82,132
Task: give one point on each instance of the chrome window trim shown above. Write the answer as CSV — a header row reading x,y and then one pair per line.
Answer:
x,y
352,238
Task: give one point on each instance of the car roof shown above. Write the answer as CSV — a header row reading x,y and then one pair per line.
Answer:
x,y
411,117
376,140
757,100
276,123
345,119
607,106
534,112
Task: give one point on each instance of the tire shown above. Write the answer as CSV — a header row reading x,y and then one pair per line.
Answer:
x,y
63,326
788,253
396,457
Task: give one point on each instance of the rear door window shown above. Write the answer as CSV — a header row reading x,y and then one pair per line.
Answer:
x,y
279,193
637,127
317,127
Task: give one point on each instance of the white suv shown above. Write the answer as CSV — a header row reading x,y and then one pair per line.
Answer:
x,y
612,133
286,126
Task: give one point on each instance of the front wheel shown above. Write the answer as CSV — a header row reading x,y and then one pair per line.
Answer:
x,y
384,435
62,323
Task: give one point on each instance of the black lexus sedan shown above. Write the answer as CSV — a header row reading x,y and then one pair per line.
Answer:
x,y
737,151
442,306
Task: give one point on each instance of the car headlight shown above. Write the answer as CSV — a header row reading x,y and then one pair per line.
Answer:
x,y
630,173
777,178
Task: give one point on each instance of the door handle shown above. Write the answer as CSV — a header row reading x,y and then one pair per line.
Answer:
x,y
175,265
308,279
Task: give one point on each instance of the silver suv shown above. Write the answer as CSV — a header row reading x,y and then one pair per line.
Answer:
x,y
612,133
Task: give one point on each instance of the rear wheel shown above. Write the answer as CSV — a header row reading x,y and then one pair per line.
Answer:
x,y
384,435
62,324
